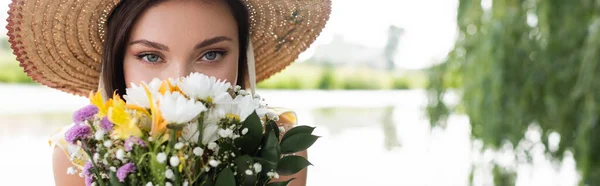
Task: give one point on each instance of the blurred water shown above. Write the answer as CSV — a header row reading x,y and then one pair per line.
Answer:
x,y
369,138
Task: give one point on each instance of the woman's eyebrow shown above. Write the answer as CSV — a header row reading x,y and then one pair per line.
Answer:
x,y
151,44
210,41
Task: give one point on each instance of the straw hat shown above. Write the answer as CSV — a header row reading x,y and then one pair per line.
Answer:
x,y
59,42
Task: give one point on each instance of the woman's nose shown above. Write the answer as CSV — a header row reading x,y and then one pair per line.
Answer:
x,y
179,69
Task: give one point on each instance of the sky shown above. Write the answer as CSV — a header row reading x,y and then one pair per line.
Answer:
x,y
430,27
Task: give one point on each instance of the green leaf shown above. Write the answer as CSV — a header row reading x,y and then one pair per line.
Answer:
x,y
251,140
298,130
271,151
114,181
289,165
297,143
225,178
272,125
243,163
285,183
267,165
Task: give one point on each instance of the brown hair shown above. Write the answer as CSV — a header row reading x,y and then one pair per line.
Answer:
x,y
118,29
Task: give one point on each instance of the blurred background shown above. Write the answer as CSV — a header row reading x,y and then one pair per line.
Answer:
x,y
429,92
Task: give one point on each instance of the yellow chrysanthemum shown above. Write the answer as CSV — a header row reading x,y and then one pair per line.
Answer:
x,y
125,125
167,86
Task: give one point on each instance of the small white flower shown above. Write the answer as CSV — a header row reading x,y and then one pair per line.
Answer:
x,y
178,109
161,157
107,143
248,172
168,184
113,169
99,134
276,118
235,136
214,163
149,184
206,168
212,145
232,155
96,157
169,174
198,151
270,174
94,184
120,154
71,171
178,145
225,133
281,129
185,183
150,139
174,161
276,176
257,167
244,131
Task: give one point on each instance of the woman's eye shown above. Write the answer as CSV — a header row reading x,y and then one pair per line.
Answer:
x,y
212,56
150,58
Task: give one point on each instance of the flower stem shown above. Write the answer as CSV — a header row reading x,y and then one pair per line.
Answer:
x,y
200,131
96,172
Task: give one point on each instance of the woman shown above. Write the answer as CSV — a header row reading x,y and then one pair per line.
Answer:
x,y
80,45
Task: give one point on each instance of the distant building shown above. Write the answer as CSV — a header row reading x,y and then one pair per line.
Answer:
x,y
342,53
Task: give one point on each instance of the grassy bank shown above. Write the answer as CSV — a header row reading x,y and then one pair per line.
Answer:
x,y
297,76
306,76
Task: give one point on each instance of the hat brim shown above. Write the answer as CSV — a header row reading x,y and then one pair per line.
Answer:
x,y
59,43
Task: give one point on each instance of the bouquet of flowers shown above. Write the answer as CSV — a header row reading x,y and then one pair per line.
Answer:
x,y
194,130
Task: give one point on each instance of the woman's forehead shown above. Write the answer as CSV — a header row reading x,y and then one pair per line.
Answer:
x,y
182,22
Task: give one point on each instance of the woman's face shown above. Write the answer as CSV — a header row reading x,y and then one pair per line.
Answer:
x,y
176,38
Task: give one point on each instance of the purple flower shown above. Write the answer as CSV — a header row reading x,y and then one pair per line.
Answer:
x,y
84,113
77,132
106,124
88,180
131,141
87,167
124,170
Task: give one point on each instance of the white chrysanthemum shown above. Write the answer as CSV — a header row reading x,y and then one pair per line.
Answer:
x,y
136,94
169,174
198,151
241,106
161,157
177,109
174,161
202,87
209,133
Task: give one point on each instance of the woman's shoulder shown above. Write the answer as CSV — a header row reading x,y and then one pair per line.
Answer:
x,y
75,154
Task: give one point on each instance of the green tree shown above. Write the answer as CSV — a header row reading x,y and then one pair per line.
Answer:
x,y
522,63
